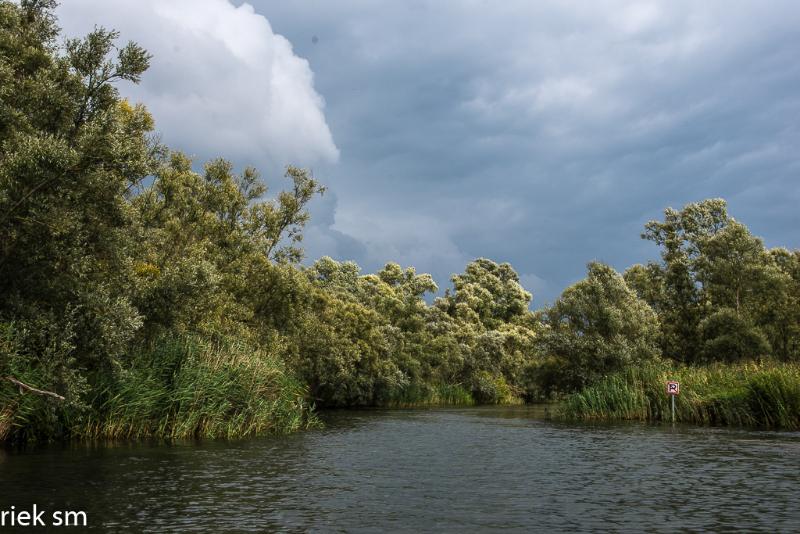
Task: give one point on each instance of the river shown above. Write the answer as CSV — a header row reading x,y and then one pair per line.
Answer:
x,y
456,470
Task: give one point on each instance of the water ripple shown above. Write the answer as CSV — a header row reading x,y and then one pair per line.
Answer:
x,y
468,469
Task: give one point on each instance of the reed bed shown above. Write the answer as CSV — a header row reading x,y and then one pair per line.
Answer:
x,y
763,394
189,387
419,395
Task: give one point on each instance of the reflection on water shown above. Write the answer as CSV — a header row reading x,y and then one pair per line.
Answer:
x,y
447,469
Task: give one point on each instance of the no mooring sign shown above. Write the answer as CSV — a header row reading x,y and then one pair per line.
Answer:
x,y
673,389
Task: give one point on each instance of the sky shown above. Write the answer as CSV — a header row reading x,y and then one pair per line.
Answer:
x,y
544,134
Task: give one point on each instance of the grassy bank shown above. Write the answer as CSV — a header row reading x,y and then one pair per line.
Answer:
x,y
420,395
175,387
487,389
748,394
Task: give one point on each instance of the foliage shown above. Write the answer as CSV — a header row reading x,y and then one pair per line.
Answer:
x,y
108,241
190,387
753,394
71,152
162,297
713,264
728,336
372,339
597,326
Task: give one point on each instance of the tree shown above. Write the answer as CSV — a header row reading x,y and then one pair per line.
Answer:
x,y
72,151
712,267
731,267
399,333
488,293
682,308
778,312
199,234
597,326
729,336
648,283
103,230
343,353
492,326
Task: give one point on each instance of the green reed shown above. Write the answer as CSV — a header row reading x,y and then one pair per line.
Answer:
x,y
189,387
748,394
415,395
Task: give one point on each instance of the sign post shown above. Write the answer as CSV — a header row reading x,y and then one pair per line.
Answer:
x,y
673,390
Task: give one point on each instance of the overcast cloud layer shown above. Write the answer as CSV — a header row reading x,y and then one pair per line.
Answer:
x,y
545,134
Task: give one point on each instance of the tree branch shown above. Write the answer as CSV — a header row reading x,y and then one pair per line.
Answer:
x,y
22,386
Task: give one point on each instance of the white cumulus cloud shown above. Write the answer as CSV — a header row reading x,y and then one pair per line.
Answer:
x,y
221,82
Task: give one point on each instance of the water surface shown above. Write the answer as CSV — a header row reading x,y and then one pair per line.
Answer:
x,y
472,469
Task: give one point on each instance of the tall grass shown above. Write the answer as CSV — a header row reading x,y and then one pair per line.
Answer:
x,y
188,387
748,394
417,395
422,394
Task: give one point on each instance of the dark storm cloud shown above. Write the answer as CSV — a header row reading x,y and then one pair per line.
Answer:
x,y
547,134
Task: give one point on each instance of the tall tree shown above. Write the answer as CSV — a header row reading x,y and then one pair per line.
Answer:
x,y
72,151
597,326
487,292
683,306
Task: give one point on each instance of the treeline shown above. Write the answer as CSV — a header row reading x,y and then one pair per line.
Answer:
x,y
158,300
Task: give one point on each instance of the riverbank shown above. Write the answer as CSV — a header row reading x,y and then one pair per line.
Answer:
x,y
763,395
186,387
174,387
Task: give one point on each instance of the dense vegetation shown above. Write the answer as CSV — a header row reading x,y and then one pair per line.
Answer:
x,y
765,394
159,299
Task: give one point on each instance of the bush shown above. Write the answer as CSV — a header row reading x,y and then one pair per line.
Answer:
x,y
730,337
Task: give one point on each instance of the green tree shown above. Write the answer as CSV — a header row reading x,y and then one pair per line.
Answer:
x,y
488,293
729,336
683,306
596,327
732,267
712,264
398,314
342,352
649,284
200,234
778,311
72,151
492,327
103,230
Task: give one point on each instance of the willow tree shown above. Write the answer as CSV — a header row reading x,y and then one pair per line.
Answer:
x,y
72,151
682,304
597,326
492,325
720,294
